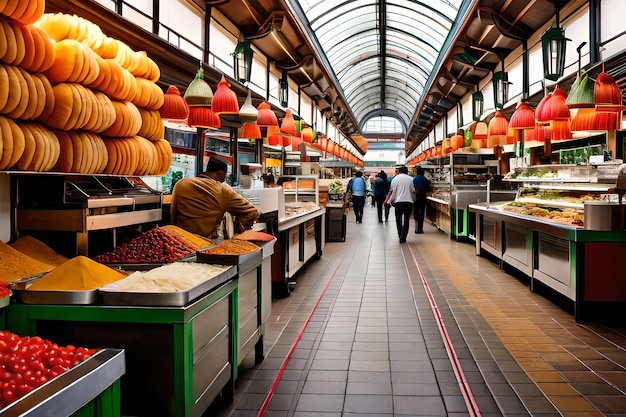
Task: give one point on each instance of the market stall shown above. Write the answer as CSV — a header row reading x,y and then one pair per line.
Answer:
x,y
550,233
185,320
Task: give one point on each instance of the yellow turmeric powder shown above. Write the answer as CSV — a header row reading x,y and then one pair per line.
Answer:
x,y
77,274
197,241
38,250
16,265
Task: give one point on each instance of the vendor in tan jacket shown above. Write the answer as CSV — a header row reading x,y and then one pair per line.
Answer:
x,y
199,203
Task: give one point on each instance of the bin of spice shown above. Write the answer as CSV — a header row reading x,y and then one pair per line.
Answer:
x,y
73,282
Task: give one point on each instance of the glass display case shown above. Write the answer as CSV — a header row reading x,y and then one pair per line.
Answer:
x,y
560,193
460,179
301,193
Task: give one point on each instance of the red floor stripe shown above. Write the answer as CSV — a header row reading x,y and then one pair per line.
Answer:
x,y
281,370
468,396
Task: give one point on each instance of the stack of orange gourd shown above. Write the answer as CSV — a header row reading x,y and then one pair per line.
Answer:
x,y
75,100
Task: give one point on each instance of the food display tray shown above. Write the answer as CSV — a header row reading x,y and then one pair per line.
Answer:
x,y
165,299
55,297
243,262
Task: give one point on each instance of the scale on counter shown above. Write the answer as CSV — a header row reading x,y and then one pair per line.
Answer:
x,y
83,203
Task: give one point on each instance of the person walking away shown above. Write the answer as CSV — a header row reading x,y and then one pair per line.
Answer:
x,y
380,189
372,178
402,197
421,184
199,203
357,187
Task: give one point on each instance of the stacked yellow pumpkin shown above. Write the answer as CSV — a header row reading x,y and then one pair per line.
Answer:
x,y
115,90
23,11
66,89
25,91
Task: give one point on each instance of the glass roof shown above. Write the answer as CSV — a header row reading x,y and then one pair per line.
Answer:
x,y
381,52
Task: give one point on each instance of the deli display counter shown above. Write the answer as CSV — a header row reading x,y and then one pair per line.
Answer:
x,y
293,215
561,232
460,179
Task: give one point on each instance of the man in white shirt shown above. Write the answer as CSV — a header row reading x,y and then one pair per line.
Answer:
x,y
402,198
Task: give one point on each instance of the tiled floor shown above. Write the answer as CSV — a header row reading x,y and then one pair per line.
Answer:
x,y
380,327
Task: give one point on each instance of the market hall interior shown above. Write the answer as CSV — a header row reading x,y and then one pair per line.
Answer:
x,y
427,328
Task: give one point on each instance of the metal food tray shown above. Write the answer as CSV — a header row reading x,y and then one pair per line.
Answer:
x,y
243,262
165,299
55,297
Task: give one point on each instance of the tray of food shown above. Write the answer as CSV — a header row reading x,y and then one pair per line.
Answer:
x,y
73,282
241,253
174,285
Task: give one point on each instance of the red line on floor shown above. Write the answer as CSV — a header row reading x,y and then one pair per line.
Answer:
x,y
468,396
281,370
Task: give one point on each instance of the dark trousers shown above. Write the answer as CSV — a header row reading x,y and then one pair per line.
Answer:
x,y
418,213
358,202
403,215
379,208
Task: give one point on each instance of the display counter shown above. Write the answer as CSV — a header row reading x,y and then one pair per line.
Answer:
x,y
293,215
584,266
301,241
460,179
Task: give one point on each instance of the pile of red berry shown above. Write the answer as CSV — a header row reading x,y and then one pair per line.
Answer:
x,y
28,362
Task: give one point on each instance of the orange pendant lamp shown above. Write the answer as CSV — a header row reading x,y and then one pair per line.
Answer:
x,y
286,140
295,143
309,135
248,115
288,124
498,129
479,137
273,135
224,100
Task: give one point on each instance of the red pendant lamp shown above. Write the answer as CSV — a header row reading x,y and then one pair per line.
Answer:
x,y
266,116
608,99
203,117
174,108
557,111
224,100
522,119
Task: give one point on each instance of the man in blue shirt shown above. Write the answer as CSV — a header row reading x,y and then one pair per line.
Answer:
x,y
357,187
421,184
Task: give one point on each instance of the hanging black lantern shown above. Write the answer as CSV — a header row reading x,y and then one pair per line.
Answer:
x,y
500,89
243,61
284,90
478,104
553,44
